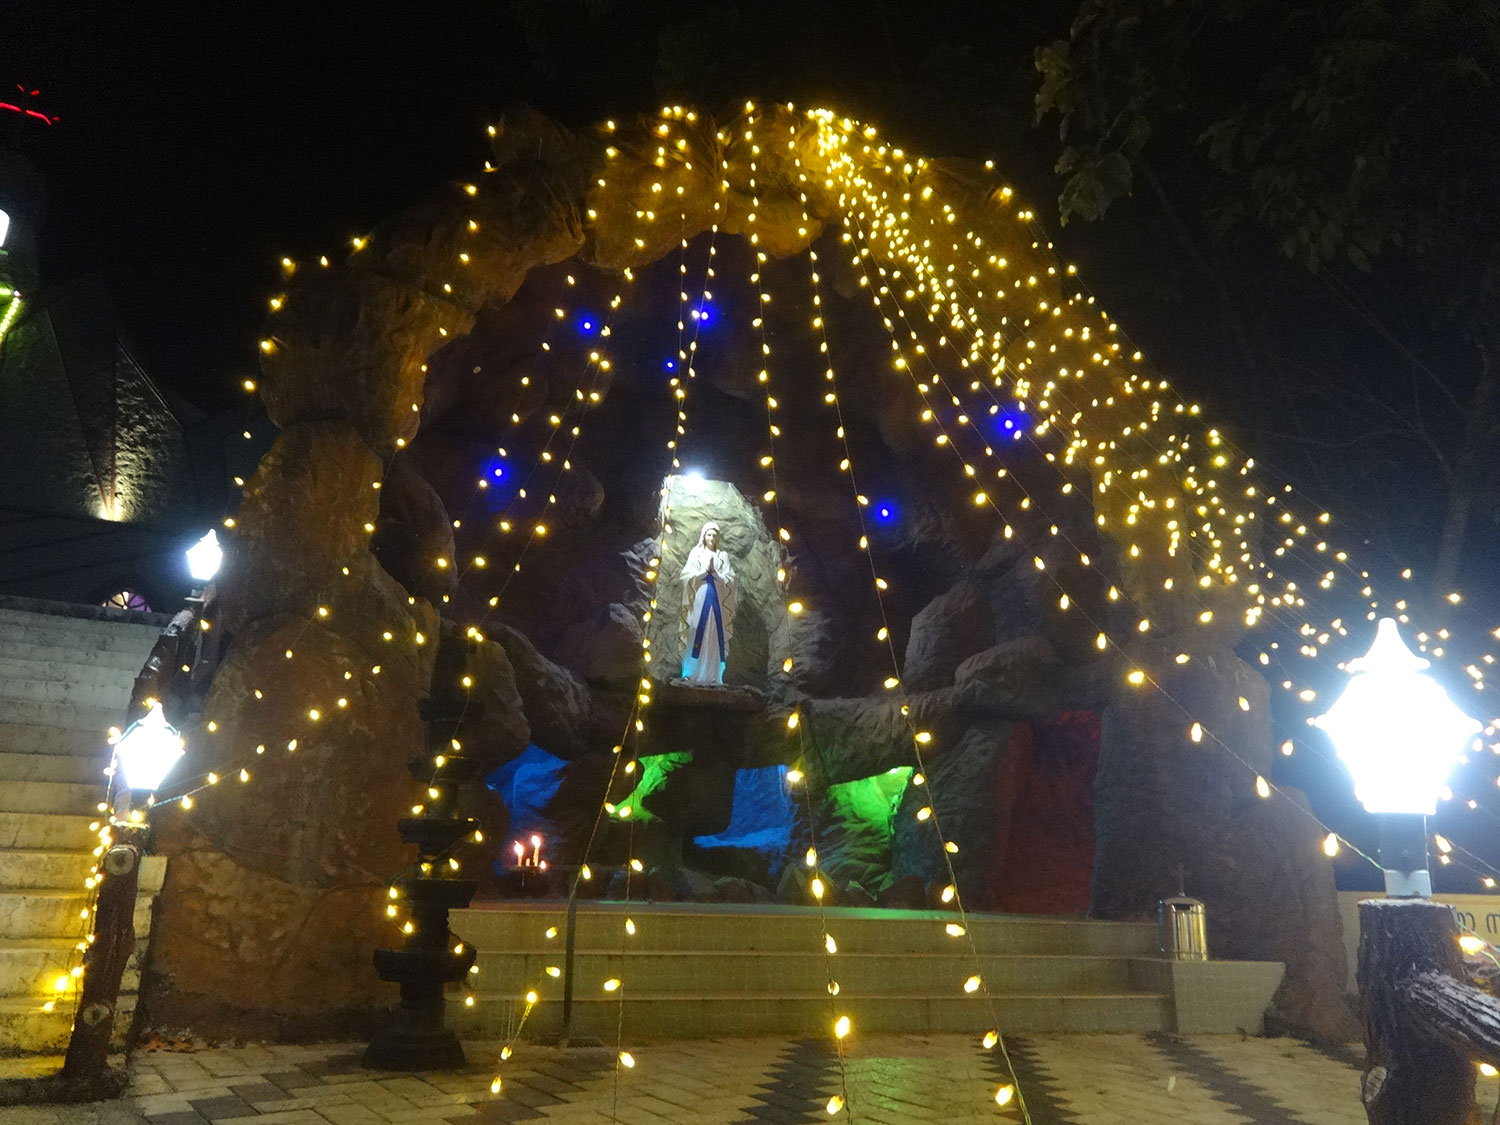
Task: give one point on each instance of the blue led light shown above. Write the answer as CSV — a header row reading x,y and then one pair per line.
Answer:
x,y
1012,424
495,472
886,512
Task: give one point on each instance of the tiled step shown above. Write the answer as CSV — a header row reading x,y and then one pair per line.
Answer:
x,y
42,869
31,738
26,1029
74,692
656,1017
77,769
706,970
27,967
50,797
94,717
79,666
121,661
859,974
47,831
520,927
54,913
66,676
18,624
64,870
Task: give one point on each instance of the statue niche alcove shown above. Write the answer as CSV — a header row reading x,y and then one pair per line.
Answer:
x,y
701,736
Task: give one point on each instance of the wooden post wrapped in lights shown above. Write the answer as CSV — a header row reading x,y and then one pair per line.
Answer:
x,y
144,754
431,957
1425,1024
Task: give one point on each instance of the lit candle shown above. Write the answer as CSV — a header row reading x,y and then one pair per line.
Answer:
x,y
520,852
536,850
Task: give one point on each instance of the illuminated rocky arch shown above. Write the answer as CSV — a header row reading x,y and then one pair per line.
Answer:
x,y
274,897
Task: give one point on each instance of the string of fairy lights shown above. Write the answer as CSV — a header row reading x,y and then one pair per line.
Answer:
x,y
1325,583
950,893
241,766
1301,529
635,722
1197,730
1137,676
887,231
599,366
839,1024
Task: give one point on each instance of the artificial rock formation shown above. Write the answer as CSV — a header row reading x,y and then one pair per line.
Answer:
x,y
1163,800
404,437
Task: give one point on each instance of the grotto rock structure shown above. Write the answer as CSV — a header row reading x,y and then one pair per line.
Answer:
x,y
440,343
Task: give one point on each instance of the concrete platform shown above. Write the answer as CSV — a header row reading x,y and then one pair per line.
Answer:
x,y
705,970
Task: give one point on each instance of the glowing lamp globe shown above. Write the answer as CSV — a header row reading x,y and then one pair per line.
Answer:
x,y
4,226
1396,729
203,558
148,750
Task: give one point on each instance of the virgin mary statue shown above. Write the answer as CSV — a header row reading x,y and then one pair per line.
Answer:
x,y
707,608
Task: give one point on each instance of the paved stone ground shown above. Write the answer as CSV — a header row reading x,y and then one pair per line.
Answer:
x,y
887,1079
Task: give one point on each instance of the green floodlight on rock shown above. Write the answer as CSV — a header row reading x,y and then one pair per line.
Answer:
x,y
1400,735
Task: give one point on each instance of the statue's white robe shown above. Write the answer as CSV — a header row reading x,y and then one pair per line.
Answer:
x,y
708,666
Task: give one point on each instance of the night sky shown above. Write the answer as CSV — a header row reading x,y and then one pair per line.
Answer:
x,y
195,149
197,145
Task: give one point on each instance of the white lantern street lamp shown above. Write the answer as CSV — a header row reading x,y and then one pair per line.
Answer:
x,y
1400,735
145,754
203,558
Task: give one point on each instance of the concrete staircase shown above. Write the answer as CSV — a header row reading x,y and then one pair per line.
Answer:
x,y
66,674
702,970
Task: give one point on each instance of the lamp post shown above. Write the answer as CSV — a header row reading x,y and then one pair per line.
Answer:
x,y
204,557
1400,735
144,754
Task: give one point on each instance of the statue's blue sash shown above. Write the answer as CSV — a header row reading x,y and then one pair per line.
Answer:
x,y
710,605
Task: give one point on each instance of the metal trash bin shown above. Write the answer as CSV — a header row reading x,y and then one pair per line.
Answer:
x,y
1184,928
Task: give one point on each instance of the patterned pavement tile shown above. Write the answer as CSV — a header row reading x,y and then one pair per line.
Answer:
x,y
223,1108
1124,1079
1041,1093
887,1080
1302,1083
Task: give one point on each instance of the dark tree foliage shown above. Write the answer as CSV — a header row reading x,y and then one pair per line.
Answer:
x,y
1355,135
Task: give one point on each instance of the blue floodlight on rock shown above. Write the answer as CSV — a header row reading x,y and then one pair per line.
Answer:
x,y
1400,735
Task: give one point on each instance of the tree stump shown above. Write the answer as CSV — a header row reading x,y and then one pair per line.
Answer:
x,y
1411,1077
